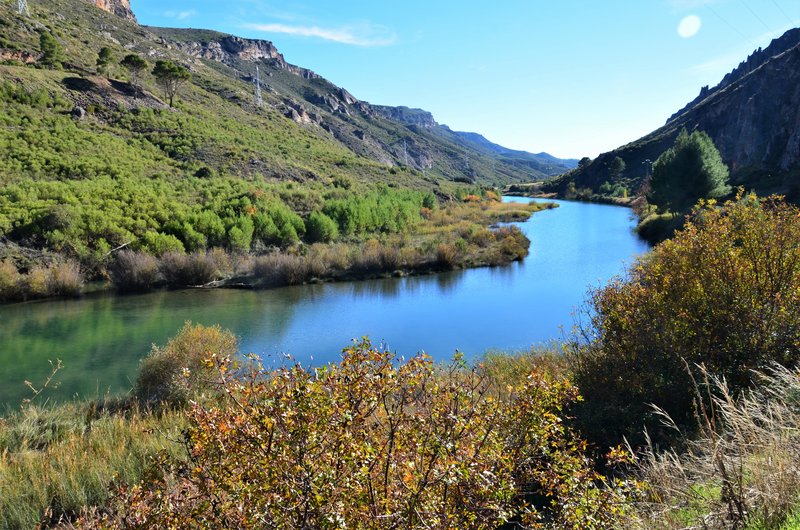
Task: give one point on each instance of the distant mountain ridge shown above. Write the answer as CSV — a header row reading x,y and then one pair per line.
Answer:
x,y
753,116
389,135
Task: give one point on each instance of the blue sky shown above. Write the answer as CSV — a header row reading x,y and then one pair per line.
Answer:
x,y
571,77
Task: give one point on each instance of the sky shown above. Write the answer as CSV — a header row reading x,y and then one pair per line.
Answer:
x,y
573,78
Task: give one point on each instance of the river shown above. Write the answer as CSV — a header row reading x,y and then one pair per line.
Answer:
x,y
101,338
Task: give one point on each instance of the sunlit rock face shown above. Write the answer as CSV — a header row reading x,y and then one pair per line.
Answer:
x,y
120,8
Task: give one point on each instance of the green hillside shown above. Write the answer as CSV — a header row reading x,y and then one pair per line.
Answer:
x,y
92,161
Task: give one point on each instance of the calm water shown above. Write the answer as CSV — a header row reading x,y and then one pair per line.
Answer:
x,y
100,339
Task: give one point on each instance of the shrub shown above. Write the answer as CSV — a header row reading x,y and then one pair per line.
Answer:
x,y
725,292
278,269
446,255
64,279
182,270
134,271
374,442
160,244
320,227
10,282
177,371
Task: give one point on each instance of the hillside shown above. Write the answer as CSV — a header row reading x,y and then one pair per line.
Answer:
x,y
753,116
92,162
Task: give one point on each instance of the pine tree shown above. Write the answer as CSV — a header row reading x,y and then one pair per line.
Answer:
x,y
690,170
170,76
52,53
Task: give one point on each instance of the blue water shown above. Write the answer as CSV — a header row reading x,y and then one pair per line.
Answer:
x,y
100,339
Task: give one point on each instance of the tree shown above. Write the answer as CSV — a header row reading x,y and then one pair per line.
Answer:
x,y
52,53
616,169
135,66
690,170
104,59
170,76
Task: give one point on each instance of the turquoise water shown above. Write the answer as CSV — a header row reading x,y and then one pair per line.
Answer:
x,y
100,339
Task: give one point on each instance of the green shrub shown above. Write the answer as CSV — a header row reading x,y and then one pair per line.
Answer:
x,y
174,373
159,244
321,228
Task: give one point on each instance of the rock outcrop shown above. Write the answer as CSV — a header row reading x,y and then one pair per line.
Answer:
x,y
230,50
121,8
417,117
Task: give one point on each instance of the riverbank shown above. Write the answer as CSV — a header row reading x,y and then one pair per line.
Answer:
x,y
457,236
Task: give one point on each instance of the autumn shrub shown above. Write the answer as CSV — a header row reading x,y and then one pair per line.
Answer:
x,y
373,442
10,282
368,258
134,271
446,255
725,293
182,270
64,279
173,373
278,269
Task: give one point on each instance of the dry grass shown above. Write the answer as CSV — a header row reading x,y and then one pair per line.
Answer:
x,y
184,270
744,469
134,271
59,279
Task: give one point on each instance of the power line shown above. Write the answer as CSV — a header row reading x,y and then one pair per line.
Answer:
x,y
758,18
784,12
708,6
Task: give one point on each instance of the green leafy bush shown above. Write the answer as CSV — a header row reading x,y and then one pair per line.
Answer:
x,y
321,228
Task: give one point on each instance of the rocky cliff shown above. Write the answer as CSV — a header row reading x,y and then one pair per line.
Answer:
x,y
753,116
121,8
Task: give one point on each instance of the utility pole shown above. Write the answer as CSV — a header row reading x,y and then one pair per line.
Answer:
x,y
258,99
22,7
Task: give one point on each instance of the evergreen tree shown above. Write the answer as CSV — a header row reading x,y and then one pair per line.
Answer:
x,y
52,53
104,59
170,76
690,170
135,65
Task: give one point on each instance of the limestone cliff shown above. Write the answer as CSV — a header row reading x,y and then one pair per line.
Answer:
x,y
121,8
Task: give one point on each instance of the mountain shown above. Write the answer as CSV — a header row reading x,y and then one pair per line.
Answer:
x,y
541,162
753,116
297,101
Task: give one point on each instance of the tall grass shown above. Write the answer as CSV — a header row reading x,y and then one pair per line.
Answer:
x,y
54,462
57,279
744,468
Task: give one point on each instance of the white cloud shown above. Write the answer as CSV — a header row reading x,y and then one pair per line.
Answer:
x,y
689,26
361,35
180,15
